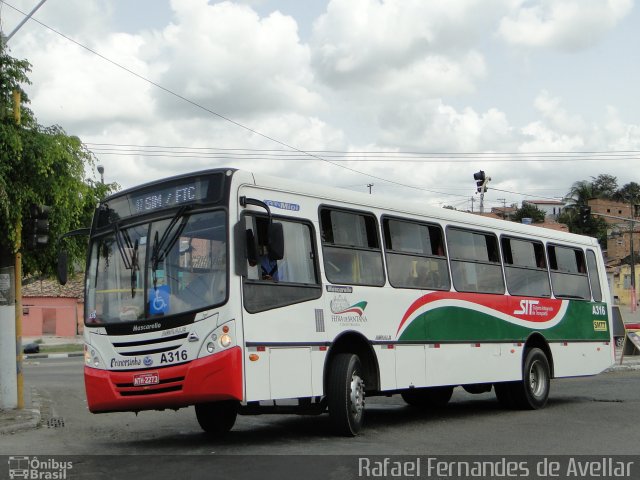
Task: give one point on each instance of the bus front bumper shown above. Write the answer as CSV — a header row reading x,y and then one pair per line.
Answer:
x,y
209,379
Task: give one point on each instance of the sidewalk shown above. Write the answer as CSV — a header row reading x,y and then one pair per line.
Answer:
x,y
14,420
57,344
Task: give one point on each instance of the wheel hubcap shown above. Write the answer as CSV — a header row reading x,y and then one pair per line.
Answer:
x,y
537,379
357,395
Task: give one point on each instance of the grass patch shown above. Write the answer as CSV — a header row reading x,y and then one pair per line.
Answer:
x,y
62,348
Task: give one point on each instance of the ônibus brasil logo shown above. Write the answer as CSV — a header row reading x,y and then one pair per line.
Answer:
x,y
34,468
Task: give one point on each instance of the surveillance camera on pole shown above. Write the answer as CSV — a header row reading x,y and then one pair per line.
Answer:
x,y
481,186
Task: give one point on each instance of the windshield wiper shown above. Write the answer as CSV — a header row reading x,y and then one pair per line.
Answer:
x,y
124,242
167,241
134,268
130,261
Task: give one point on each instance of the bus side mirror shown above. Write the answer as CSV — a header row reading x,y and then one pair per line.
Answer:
x,y
62,268
276,241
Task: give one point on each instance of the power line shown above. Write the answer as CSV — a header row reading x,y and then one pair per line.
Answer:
x,y
364,156
222,117
295,154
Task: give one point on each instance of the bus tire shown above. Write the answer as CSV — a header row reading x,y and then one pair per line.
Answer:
x,y
217,418
504,395
431,397
532,392
345,395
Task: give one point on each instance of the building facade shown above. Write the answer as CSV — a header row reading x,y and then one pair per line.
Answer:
x,y
51,309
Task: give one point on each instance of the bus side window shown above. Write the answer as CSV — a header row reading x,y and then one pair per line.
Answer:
x,y
351,247
525,267
415,255
594,277
568,273
475,262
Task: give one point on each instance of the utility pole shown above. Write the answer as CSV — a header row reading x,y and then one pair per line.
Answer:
x,y
504,207
634,297
472,201
11,378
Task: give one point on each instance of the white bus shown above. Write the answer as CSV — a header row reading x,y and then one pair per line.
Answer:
x,y
242,293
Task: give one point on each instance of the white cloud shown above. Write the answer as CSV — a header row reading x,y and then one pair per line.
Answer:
x,y
563,24
79,90
372,43
434,126
391,75
227,58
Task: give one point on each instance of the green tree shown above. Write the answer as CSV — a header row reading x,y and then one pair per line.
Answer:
x,y
529,210
628,193
578,196
40,165
604,186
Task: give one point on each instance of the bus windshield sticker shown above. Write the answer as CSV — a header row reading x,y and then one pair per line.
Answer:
x,y
159,300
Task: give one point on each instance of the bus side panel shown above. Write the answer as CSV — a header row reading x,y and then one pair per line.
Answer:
x,y
387,364
289,372
257,380
410,366
318,358
466,363
579,359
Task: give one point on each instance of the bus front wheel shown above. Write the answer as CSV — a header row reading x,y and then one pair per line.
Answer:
x,y
217,418
345,394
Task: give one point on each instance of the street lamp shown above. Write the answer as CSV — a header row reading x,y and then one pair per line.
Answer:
x,y
101,172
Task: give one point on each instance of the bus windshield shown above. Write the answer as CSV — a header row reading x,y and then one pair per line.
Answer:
x,y
164,267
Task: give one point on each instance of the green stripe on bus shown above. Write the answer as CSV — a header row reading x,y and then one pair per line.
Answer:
x,y
462,324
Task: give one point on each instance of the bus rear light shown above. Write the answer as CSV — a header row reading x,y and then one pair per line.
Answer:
x,y
254,357
225,329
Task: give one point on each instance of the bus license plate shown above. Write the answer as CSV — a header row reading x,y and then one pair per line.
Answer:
x,y
150,378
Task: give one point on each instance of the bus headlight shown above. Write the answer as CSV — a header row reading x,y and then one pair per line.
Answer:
x,y
225,340
210,347
91,357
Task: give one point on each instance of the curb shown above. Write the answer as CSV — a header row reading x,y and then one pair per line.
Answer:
x,y
26,419
53,355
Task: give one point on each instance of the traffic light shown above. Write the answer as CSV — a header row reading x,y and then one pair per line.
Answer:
x,y
37,227
480,179
584,215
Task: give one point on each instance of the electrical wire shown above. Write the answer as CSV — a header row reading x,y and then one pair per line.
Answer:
x,y
222,117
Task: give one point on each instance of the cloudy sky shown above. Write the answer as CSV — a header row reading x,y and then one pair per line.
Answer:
x,y
412,96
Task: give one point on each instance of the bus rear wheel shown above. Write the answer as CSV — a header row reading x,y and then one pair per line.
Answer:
x,y
345,394
217,418
432,397
532,392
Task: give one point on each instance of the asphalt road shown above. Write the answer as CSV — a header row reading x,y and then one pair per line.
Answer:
x,y
595,415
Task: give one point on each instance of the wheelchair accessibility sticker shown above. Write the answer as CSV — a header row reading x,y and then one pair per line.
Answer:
x,y
159,300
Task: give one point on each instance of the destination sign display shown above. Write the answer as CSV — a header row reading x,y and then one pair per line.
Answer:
x,y
163,195
173,195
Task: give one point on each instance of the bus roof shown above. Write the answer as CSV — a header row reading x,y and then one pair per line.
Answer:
x,y
413,207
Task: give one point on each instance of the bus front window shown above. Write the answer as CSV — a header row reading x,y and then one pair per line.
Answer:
x,y
130,278
192,274
115,291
